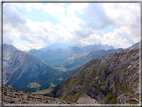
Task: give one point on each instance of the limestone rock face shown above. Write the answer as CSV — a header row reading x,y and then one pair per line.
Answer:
x,y
113,79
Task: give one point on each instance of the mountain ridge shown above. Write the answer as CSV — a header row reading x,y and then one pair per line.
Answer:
x,y
107,80
68,44
60,57
93,54
24,71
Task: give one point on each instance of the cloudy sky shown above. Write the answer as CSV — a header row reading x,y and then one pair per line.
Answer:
x,y
37,25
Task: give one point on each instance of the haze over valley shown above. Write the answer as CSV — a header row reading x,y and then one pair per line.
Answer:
x,y
71,53
38,70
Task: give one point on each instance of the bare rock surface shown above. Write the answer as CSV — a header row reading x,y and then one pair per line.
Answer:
x,y
85,99
13,96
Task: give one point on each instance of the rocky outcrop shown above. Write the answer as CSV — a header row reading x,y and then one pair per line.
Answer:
x,y
12,96
113,79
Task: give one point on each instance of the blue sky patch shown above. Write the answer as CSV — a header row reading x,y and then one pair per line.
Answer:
x,y
38,16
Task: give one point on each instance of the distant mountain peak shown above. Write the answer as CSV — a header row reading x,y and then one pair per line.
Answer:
x,y
65,46
136,44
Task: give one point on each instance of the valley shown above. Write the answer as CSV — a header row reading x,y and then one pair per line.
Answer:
x,y
99,77
24,71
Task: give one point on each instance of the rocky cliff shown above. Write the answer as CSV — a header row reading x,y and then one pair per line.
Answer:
x,y
113,79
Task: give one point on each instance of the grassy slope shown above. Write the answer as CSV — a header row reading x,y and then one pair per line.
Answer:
x,y
44,91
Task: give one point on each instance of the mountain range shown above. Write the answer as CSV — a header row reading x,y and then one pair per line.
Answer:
x,y
113,79
78,62
107,79
25,72
60,57
67,44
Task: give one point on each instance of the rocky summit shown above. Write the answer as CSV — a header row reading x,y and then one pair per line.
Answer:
x,y
13,96
113,79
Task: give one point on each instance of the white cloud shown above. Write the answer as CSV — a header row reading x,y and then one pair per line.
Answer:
x,y
26,46
126,15
71,23
38,34
91,40
123,15
118,38
38,5
54,9
76,7
13,23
